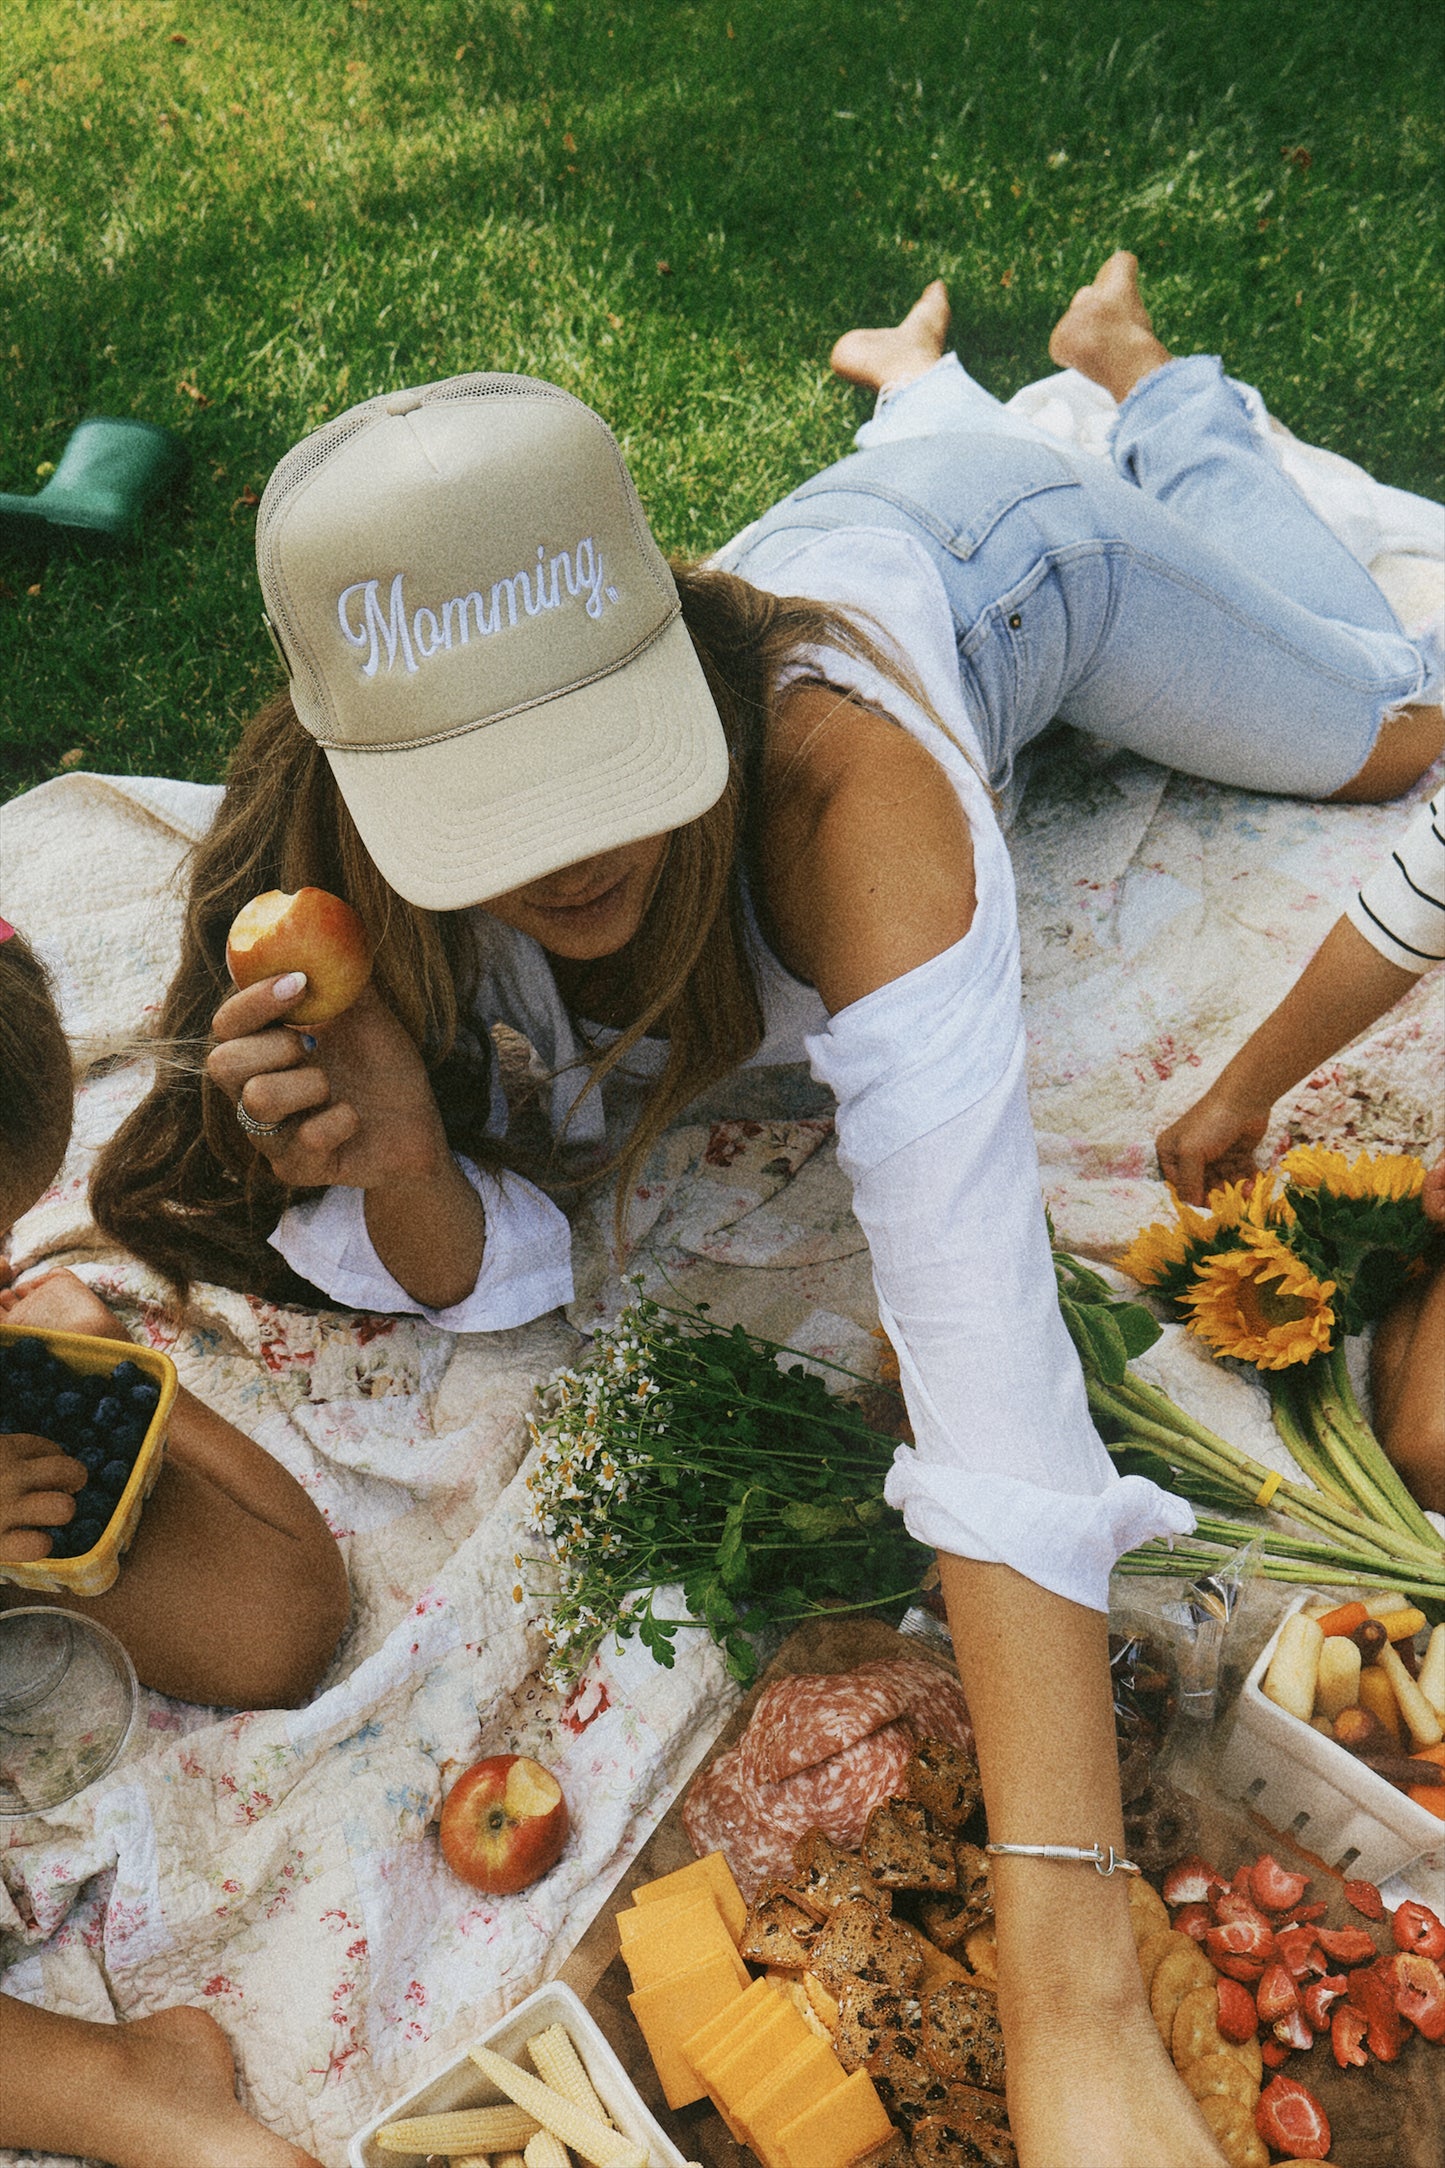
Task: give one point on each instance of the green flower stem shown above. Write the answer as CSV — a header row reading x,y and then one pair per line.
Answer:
x,y
1284,1401
1222,1461
1335,1396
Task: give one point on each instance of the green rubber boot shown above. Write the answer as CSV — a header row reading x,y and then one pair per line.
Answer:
x,y
110,473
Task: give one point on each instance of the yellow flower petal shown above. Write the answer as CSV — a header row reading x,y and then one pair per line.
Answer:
x,y
1392,1176
1261,1304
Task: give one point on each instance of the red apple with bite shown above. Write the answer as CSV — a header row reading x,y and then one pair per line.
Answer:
x,y
311,931
504,1823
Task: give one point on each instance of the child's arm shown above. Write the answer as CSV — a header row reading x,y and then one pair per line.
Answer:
x,y
1343,989
233,1591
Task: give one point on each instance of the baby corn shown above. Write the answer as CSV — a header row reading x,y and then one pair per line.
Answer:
x,y
559,2065
545,2151
579,2131
464,2130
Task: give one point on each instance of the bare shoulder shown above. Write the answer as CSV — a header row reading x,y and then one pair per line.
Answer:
x,y
866,857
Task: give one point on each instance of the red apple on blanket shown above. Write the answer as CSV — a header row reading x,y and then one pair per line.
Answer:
x,y
311,931
504,1823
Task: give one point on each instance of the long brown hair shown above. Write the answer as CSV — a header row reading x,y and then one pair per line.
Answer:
x,y
179,1185
37,1087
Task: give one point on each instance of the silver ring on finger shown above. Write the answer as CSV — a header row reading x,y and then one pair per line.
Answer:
x,y
252,1127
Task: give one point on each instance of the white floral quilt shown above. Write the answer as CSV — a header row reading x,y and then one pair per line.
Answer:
x,y
281,1869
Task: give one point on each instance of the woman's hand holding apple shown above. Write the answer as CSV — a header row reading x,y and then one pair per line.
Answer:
x,y
354,1094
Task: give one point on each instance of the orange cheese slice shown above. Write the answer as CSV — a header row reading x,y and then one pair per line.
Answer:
x,y
743,2011
799,2082
681,1936
711,1873
668,2014
836,2131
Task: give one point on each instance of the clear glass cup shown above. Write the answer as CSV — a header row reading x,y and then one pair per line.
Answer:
x,y
68,1702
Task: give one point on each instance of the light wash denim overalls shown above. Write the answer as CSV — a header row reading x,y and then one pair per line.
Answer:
x,y
1188,605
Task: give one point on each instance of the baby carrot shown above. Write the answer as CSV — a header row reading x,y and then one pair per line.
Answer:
x,y
1344,1620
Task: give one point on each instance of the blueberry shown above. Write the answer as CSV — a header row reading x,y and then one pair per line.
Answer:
x,y
127,1437
63,1542
92,1457
85,1535
125,1375
108,1413
68,1405
145,1397
113,1477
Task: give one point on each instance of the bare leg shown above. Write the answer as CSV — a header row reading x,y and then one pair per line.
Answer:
x,y
888,359
156,2093
1407,1374
1106,334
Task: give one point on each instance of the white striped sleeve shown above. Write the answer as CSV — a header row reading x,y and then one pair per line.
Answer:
x,y
1401,908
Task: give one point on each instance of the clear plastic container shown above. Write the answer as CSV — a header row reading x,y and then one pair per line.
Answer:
x,y
93,1572
1328,1800
68,1701
461,2084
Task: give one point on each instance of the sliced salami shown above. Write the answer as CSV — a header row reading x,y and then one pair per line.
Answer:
x,y
806,1719
838,1795
932,1698
723,1813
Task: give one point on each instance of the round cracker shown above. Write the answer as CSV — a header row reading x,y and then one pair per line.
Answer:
x,y
1234,2132
1148,1913
1222,2074
1176,1972
1155,1947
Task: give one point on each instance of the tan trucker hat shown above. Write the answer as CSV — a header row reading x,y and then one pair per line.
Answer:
x,y
483,636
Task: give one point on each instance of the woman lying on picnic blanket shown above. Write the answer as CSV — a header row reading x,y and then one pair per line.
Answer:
x,y
746,817
233,1591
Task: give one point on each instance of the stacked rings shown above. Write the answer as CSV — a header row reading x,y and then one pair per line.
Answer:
x,y
253,1128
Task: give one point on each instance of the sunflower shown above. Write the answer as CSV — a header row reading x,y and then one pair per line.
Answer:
x,y
1254,1202
1261,1304
1383,1177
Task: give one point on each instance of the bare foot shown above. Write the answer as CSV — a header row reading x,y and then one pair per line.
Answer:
x,y
177,2107
1105,332
887,360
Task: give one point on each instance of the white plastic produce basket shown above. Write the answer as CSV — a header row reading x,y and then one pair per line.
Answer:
x,y
1310,1789
461,2084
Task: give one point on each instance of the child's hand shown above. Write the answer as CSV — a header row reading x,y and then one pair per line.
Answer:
x,y
1214,1142
38,1483
354,1096
61,1302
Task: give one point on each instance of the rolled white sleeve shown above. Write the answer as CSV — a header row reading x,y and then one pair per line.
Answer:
x,y
1401,908
934,1133
526,1258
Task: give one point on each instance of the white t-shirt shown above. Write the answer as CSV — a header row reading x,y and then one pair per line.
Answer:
x,y
934,1134
1401,908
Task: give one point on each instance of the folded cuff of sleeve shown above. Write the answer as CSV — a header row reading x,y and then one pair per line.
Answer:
x,y
526,1261
1064,1542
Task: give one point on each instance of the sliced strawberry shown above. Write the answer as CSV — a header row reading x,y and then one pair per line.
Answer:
x,y
1366,1899
1239,1880
1190,1881
1243,1938
1238,2019
1419,1992
1273,1887
1416,1927
1193,1919
1348,2026
1347,1945
1274,2052
1294,2030
1318,1996
1289,2118
1305,1915
1300,1952
1372,1989
1237,1904
1244,1969
1276,1994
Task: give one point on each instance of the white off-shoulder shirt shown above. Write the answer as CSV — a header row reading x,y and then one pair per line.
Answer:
x,y
934,1134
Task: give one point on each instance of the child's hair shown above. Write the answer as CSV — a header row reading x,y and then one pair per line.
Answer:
x,y
180,1185
37,1083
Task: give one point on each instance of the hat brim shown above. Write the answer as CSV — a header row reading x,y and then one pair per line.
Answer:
x,y
472,815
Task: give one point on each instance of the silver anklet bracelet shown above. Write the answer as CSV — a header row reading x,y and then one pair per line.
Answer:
x,y
1102,1858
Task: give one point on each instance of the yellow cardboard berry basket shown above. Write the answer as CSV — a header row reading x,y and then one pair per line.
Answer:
x,y
94,1571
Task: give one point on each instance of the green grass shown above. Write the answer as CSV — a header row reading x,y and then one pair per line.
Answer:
x,y
671,209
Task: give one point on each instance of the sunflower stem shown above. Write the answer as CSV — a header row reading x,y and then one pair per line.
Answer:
x,y
1335,1397
1284,1402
